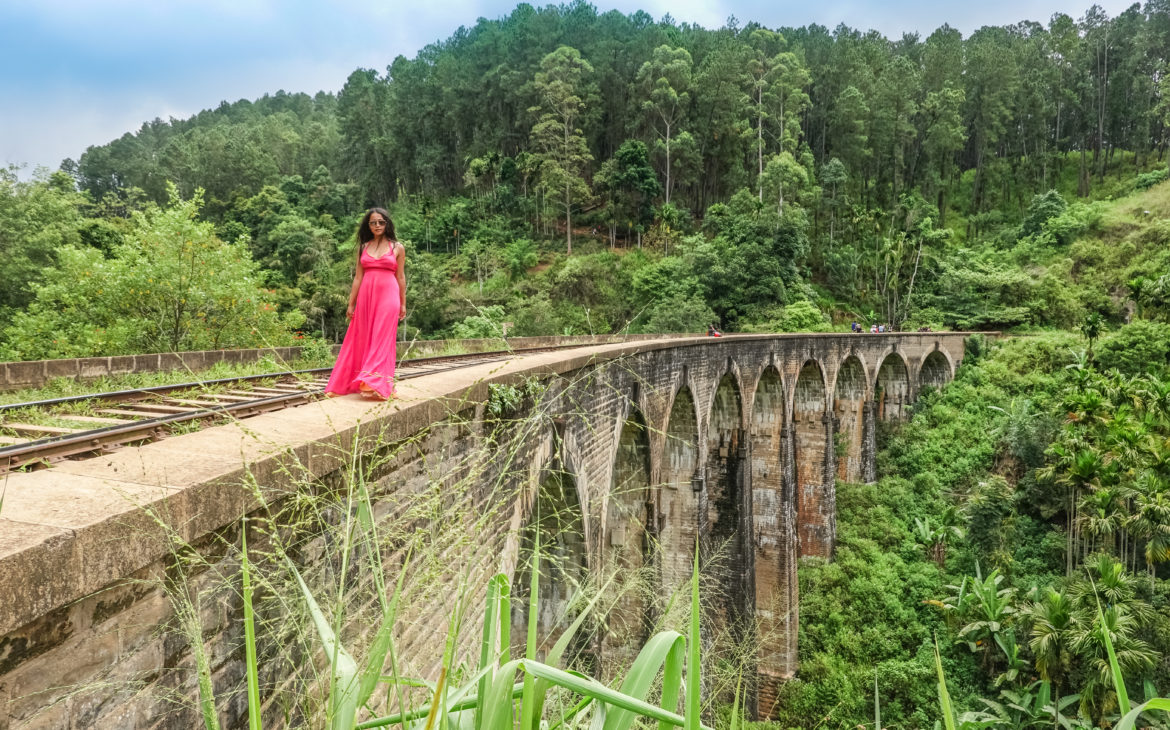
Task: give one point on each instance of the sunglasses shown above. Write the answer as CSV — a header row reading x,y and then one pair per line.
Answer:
x,y
377,223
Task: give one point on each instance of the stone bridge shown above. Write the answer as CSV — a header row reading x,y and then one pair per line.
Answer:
x,y
621,457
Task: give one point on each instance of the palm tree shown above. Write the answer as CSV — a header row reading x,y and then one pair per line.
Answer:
x,y
1101,515
1091,328
1106,600
1053,625
1139,291
1151,522
1134,657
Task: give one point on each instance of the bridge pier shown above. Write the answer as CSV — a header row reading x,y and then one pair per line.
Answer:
x,y
815,465
869,442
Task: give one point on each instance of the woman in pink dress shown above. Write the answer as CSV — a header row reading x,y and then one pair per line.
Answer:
x,y
377,301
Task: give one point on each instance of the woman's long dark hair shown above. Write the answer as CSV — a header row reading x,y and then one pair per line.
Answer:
x,y
365,235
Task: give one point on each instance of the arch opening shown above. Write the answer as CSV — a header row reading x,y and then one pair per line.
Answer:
x,y
724,546
935,371
849,419
892,394
558,521
626,544
678,506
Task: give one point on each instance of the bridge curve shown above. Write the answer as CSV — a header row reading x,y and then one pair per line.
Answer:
x,y
646,449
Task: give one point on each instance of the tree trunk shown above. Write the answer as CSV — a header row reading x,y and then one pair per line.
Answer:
x,y
568,221
760,142
668,164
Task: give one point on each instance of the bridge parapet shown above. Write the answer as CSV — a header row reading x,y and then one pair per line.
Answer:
x,y
729,442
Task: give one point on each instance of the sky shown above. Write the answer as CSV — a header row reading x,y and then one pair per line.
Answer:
x,y
76,73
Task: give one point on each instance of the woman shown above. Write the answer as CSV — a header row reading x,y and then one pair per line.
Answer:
x,y
377,301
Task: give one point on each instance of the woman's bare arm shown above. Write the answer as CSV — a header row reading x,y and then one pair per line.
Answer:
x,y
400,254
353,292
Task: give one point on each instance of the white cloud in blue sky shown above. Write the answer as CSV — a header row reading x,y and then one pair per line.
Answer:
x,y
75,73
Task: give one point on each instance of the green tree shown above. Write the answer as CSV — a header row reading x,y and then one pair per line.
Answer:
x,y
559,142
172,286
666,81
778,81
943,136
1053,626
630,186
1091,328
38,218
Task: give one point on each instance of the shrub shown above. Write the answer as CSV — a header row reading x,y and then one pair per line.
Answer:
x,y
1150,179
171,286
1135,347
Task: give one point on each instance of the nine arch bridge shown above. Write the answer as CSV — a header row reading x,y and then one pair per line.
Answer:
x,y
623,459
736,444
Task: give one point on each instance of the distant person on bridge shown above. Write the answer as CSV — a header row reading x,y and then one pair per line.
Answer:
x,y
377,301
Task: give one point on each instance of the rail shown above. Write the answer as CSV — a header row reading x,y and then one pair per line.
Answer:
x,y
147,414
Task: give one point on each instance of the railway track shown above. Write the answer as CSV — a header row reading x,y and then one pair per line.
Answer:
x,y
89,425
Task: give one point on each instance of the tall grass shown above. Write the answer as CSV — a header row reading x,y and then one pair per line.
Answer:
x,y
329,639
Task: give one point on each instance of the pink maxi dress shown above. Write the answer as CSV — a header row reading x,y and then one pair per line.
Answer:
x,y
368,351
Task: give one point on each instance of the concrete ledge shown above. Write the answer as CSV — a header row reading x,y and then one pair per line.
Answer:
x,y
35,373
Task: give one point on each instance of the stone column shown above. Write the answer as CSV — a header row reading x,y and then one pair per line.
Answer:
x,y
869,442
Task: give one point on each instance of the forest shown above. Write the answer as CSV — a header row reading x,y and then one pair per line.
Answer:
x,y
565,171
570,171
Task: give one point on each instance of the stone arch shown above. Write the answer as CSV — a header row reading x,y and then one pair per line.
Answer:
x,y
774,584
892,388
936,371
724,531
678,500
849,397
625,545
558,519
813,449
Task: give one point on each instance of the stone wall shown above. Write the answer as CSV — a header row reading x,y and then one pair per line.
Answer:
x,y
36,373
640,450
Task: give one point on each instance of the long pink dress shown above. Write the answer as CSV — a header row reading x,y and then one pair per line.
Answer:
x,y
368,351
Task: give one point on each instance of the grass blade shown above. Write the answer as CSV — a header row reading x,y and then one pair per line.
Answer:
x,y
249,634
505,617
203,668
672,677
419,713
944,697
498,715
1129,720
694,701
554,654
382,646
343,684
600,693
487,646
529,714
877,704
640,678
735,704
1118,680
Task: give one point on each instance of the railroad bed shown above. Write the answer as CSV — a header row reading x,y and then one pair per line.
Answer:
x,y
37,433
